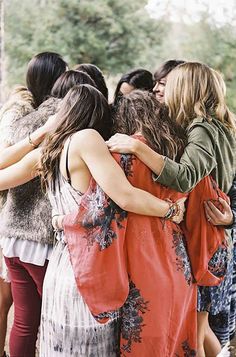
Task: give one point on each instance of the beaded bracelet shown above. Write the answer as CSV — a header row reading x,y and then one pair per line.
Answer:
x,y
173,211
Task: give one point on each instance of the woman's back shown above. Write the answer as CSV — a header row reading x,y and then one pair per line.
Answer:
x,y
64,198
150,251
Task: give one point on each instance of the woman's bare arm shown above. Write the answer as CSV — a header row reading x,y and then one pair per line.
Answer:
x,y
21,172
197,161
9,155
90,146
14,153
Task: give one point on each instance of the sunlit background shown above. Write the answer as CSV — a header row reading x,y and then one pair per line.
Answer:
x,y
119,35
219,12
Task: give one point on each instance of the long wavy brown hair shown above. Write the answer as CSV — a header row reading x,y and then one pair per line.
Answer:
x,y
83,107
195,90
141,112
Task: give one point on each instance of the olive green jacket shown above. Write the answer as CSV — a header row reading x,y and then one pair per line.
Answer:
x,y
211,149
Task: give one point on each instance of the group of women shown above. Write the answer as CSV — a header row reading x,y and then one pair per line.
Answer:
x,y
141,194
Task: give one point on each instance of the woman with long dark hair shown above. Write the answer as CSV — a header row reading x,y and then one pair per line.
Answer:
x,y
96,74
28,236
73,151
17,121
158,316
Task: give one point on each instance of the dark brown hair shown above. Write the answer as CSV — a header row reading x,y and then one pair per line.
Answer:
x,y
83,107
96,74
139,78
43,71
140,111
68,80
166,68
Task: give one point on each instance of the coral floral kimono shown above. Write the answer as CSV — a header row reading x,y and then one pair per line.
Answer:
x,y
139,264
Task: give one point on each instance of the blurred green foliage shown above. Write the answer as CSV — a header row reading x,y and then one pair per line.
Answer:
x,y
114,35
206,42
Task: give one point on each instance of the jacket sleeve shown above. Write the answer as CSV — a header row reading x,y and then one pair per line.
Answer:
x,y
197,161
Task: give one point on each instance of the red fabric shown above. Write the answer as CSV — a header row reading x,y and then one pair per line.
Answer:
x,y
26,284
140,263
203,239
111,276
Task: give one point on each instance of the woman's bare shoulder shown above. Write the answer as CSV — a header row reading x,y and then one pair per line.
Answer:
x,y
87,138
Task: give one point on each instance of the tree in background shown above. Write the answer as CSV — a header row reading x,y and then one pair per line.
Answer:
x,y
204,30
217,49
115,35
120,35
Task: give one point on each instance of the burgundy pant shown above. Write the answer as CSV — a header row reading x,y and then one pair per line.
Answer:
x,y
26,284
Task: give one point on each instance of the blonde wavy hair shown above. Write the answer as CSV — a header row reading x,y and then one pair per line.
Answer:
x,y
195,90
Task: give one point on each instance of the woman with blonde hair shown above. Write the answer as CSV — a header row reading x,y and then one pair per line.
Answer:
x,y
195,98
107,258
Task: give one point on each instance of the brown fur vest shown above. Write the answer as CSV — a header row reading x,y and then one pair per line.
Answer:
x,y
27,211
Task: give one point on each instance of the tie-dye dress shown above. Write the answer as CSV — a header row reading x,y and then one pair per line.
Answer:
x,y
68,329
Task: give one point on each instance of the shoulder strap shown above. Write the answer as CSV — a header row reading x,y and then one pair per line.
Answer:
x,y
67,162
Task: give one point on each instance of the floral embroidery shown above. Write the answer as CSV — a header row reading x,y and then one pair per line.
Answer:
x,y
126,162
218,263
215,299
107,315
182,260
188,352
131,318
103,216
101,212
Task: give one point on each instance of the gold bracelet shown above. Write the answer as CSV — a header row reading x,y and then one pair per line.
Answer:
x,y
31,142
